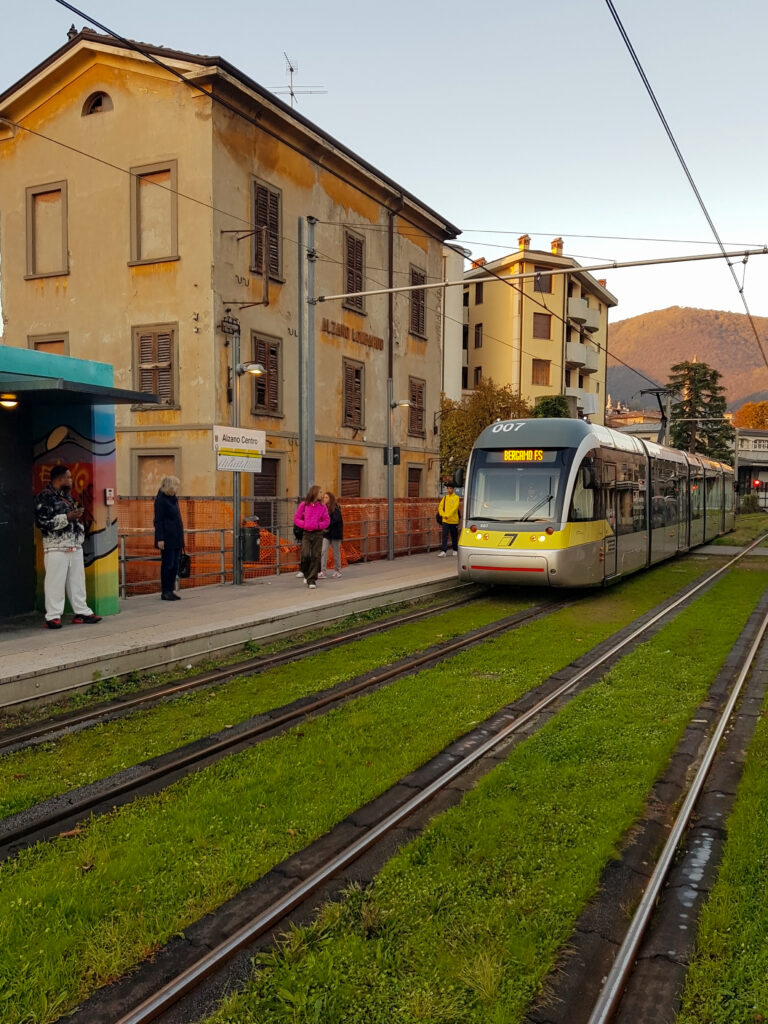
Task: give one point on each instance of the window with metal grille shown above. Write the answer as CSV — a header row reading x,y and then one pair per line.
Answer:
x,y
543,281
542,325
418,304
351,480
155,349
267,217
267,386
354,392
417,391
354,269
478,335
540,372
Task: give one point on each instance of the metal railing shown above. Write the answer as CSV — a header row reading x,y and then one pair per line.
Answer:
x,y
210,549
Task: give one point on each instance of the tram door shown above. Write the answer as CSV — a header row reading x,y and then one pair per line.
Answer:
x,y
610,500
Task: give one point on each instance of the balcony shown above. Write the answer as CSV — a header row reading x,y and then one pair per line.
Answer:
x,y
587,401
591,359
575,354
578,310
592,323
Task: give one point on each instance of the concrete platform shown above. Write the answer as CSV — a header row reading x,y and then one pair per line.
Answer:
x,y
150,634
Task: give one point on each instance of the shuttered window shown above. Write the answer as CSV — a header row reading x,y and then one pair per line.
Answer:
x,y
155,349
267,386
351,480
354,269
417,390
354,391
540,372
418,304
267,216
542,325
414,482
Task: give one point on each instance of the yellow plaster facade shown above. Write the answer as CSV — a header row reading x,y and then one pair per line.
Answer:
x,y
543,335
168,263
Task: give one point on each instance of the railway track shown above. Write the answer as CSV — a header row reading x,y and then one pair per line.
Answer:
x,y
472,751
19,737
69,809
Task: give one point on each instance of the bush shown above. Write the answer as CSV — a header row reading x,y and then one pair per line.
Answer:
x,y
749,503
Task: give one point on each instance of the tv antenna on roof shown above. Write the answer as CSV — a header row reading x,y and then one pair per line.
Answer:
x,y
292,68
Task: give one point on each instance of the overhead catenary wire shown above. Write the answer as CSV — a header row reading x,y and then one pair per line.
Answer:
x,y
684,165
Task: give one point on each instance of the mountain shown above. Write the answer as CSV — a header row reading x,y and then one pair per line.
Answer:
x,y
653,342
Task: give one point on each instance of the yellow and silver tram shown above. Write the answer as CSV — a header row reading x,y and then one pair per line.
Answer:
x,y
565,503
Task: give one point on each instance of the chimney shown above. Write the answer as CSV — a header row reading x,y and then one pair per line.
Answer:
x,y
557,247
601,281
524,243
72,31
479,262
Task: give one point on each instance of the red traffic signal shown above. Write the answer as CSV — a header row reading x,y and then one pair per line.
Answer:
x,y
756,483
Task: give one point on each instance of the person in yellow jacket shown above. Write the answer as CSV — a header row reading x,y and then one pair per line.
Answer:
x,y
448,510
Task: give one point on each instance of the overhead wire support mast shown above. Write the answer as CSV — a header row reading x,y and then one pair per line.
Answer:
x,y
554,272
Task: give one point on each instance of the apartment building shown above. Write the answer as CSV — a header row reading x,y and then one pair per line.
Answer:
x,y
148,208
546,334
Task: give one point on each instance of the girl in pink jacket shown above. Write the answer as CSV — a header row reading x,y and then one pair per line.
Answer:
x,y
312,518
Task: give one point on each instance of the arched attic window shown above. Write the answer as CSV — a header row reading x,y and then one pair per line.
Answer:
x,y
97,103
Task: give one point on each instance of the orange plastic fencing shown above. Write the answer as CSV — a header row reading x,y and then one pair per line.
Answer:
x,y
208,538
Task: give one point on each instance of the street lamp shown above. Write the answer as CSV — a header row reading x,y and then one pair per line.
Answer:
x,y
401,404
256,370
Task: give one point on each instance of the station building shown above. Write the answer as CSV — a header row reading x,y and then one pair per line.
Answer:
x,y
751,463
142,207
543,335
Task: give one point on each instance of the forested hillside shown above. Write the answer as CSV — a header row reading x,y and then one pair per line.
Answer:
x,y
653,342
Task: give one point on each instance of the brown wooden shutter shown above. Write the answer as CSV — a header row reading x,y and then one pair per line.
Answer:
x,y
351,480
354,275
266,205
353,395
418,304
417,397
156,364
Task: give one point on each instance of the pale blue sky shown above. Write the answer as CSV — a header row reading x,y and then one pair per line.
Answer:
x,y
511,117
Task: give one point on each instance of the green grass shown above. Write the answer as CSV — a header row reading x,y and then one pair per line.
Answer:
x,y
136,682
728,978
77,912
32,775
748,528
467,921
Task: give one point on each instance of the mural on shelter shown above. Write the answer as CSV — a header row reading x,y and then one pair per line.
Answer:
x,y
86,444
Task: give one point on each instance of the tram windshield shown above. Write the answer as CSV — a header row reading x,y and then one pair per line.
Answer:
x,y
510,486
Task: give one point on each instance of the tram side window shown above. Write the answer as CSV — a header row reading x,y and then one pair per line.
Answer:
x,y
664,503
583,500
697,497
714,492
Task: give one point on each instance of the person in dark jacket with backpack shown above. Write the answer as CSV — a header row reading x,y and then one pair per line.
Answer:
x,y
332,536
169,535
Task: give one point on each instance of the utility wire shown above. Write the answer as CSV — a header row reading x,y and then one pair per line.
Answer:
x,y
684,165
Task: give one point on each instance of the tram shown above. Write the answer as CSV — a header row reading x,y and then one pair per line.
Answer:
x,y
566,503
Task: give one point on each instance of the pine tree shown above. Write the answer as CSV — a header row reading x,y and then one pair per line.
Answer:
x,y
698,419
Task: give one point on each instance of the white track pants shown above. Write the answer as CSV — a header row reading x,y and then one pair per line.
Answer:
x,y
65,574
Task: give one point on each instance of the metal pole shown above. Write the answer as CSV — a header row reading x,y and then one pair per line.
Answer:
x,y
237,566
390,477
311,301
302,360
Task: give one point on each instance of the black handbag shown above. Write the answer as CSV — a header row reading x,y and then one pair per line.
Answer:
x,y
438,519
185,566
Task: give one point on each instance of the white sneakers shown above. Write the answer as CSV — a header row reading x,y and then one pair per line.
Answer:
x,y
299,575
313,586
441,554
455,554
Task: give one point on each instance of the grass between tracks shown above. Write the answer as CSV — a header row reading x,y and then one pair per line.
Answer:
x,y
135,682
727,981
748,528
465,923
32,775
76,913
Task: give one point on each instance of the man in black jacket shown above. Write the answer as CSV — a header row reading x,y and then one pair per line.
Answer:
x,y
59,517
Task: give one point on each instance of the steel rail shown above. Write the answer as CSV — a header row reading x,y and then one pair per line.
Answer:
x,y
77,808
188,979
610,995
262,662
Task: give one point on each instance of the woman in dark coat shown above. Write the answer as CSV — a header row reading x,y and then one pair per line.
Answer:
x,y
169,535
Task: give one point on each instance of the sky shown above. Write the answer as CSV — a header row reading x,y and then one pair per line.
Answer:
x,y
511,118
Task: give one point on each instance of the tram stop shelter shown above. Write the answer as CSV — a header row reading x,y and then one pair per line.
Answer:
x,y
57,409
